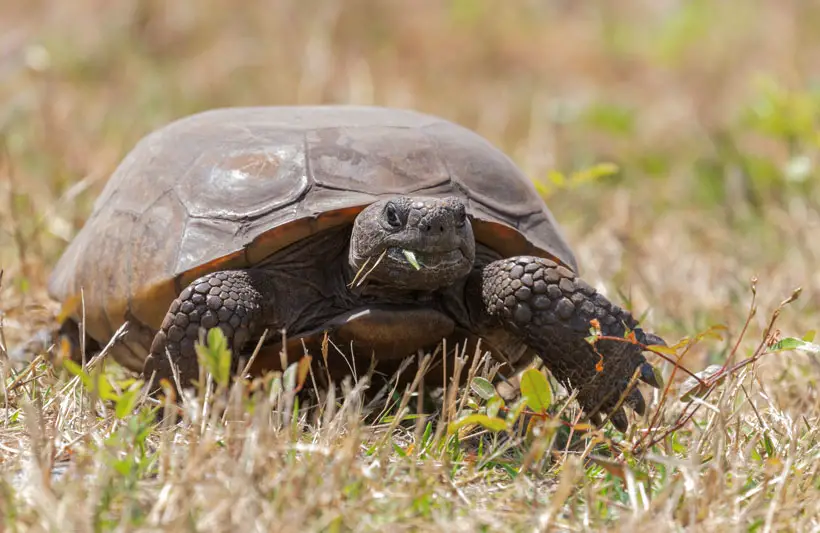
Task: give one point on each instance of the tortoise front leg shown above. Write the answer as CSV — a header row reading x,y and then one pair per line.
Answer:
x,y
239,302
551,308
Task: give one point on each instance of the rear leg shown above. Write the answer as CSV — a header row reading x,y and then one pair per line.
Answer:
x,y
129,350
69,331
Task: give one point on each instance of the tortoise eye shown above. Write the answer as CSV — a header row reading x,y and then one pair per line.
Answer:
x,y
461,217
392,215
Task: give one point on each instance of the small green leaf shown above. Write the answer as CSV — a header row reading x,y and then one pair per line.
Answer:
x,y
768,445
792,343
126,402
490,423
665,350
428,432
493,405
594,172
809,336
536,389
103,388
215,356
788,343
557,177
515,411
123,467
658,373
399,450
411,258
94,383
289,377
542,189
506,467
482,387
78,371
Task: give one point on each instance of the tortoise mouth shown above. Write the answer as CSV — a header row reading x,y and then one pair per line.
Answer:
x,y
425,260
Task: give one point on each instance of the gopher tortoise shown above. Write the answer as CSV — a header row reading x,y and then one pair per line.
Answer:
x,y
388,229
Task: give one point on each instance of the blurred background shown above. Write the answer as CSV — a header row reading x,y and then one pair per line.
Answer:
x,y
676,141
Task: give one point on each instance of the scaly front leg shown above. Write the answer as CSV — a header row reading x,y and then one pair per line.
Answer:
x,y
239,302
551,308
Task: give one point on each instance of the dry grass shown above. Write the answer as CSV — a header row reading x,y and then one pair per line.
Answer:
x,y
709,109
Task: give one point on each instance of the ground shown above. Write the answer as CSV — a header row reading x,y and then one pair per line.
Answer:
x,y
677,142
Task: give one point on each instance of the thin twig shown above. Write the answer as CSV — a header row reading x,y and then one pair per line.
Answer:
x,y
255,353
649,348
4,354
378,261
712,381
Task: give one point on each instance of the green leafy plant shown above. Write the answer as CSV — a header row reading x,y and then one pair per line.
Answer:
x,y
215,356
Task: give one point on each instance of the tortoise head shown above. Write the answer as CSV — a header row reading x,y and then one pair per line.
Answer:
x,y
413,242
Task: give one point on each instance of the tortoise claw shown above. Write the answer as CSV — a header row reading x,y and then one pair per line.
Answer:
x,y
619,420
649,376
636,402
653,340
597,418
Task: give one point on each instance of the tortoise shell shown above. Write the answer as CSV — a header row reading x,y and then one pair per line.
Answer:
x,y
228,187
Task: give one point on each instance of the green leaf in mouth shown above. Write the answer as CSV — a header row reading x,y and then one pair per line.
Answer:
x,y
411,258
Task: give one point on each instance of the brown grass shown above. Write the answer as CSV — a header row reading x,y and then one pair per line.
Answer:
x,y
710,111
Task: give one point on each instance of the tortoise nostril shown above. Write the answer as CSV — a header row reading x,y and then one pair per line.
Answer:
x,y
441,229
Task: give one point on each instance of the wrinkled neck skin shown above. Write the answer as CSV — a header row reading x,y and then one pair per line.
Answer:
x,y
413,244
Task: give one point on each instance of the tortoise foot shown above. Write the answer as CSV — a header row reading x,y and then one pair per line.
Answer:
x,y
551,308
231,300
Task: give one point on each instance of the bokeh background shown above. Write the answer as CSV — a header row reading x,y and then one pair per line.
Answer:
x,y
675,140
